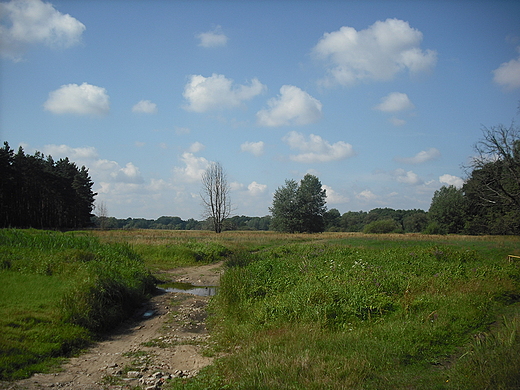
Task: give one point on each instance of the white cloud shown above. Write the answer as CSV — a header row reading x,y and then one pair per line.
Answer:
x,y
334,197
255,148
218,92
101,170
367,196
316,149
145,107
129,174
84,99
236,186
508,74
196,147
256,189
194,168
29,22
395,101
421,157
292,107
407,177
74,154
213,38
451,180
376,53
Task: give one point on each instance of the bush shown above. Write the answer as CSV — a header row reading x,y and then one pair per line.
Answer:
x,y
381,227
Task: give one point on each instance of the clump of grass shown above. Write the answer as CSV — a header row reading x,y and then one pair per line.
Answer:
x,y
58,292
331,315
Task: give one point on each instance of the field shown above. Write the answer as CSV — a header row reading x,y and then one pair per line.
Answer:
x,y
325,311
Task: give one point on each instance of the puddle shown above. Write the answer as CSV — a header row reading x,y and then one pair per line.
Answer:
x,y
189,289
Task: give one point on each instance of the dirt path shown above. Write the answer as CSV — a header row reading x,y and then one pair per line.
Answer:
x,y
164,339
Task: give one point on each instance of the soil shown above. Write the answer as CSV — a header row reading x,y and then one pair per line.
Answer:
x,y
164,339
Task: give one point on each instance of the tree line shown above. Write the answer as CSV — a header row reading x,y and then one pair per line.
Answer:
x,y
489,200
38,192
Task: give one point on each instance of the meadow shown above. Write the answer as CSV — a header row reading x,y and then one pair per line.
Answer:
x,y
294,311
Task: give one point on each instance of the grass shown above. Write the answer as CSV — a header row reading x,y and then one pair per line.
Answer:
x,y
57,292
324,311
371,313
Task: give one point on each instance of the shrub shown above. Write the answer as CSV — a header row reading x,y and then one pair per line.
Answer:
x,y
381,227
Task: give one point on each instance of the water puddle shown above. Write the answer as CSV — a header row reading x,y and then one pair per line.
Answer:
x,y
188,288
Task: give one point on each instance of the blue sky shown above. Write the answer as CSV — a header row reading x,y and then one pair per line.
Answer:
x,y
383,101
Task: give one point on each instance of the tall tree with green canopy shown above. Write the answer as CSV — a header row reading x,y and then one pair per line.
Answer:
x,y
447,211
299,208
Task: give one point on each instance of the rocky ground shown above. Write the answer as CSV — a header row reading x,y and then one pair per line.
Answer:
x,y
164,339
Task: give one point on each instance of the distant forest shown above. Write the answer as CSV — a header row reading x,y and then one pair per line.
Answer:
x,y
403,221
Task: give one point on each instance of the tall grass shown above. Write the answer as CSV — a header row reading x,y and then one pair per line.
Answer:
x,y
393,316
57,291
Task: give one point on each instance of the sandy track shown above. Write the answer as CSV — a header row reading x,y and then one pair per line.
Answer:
x,y
144,351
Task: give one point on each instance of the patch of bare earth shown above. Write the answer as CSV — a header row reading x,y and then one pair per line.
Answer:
x,y
164,339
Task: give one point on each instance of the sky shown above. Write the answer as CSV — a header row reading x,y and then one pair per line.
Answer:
x,y
383,101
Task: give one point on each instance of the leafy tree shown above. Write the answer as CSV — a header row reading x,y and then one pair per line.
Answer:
x,y
353,221
332,219
415,222
215,196
493,186
299,208
285,213
381,226
447,210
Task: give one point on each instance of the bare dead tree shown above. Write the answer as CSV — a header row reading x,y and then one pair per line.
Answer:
x,y
215,196
102,214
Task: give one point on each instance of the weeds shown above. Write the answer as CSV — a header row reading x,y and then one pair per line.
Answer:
x,y
58,291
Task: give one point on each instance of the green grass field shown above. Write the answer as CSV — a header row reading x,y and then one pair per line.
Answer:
x,y
325,311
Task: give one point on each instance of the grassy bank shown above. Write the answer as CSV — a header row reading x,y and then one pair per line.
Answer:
x,y
57,291
370,312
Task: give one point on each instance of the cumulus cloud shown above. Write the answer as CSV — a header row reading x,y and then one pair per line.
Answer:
x,y
395,101
256,189
376,53
128,174
421,157
451,180
334,197
316,149
218,92
101,170
193,169
213,38
255,148
292,107
508,74
145,107
30,22
196,147
74,154
407,177
84,99
366,196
